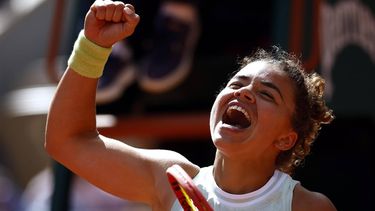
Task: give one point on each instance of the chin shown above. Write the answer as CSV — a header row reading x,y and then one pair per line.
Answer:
x,y
223,138
226,148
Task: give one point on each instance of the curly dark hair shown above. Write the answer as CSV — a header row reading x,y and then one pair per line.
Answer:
x,y
310,108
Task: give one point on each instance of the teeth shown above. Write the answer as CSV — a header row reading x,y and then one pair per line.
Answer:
x,y
240,109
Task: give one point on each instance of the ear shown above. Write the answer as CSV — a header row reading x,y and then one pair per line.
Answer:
x,y
287,141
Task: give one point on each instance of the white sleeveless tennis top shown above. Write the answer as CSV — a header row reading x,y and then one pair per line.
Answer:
x,y
276,194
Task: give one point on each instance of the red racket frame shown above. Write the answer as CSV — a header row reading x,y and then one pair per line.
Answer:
x,y
178,178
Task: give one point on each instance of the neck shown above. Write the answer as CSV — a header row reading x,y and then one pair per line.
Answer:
x,y
239,177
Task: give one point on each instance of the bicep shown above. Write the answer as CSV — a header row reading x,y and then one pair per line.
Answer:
x,y
123,170
110,165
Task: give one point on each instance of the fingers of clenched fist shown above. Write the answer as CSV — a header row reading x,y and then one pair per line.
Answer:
x,y
114,11
129,10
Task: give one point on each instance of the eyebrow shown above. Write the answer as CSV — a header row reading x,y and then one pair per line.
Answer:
x,y
272,86
241,77
263,82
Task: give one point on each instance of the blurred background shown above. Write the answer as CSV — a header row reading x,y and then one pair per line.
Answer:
x,y
168,105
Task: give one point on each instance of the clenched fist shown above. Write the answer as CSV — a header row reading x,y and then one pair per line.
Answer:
x,y
109,21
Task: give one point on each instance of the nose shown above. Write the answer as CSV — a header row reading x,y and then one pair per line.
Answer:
x,y
245,93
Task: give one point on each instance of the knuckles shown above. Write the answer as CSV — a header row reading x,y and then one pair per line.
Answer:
x,y
106,10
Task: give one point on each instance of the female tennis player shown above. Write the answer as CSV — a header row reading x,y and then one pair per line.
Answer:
x,y
262,123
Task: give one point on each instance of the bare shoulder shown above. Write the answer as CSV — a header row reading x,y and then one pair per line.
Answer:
x,y
160,160
166,158
304,199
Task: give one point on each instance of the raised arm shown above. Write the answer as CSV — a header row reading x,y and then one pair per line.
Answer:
x,y
71,135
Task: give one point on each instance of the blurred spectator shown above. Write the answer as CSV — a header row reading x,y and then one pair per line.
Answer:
x,y
166,65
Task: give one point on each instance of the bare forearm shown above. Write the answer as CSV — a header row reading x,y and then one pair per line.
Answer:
x,y
73,110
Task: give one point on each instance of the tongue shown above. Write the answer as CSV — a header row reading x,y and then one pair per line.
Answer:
x,y
236,118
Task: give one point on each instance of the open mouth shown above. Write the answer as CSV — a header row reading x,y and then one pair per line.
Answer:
x,y
237,116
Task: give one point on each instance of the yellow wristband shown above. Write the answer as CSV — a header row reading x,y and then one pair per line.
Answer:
x,y
87,58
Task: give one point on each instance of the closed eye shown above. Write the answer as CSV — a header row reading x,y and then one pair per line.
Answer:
x,y
272,86
235,85
267,95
